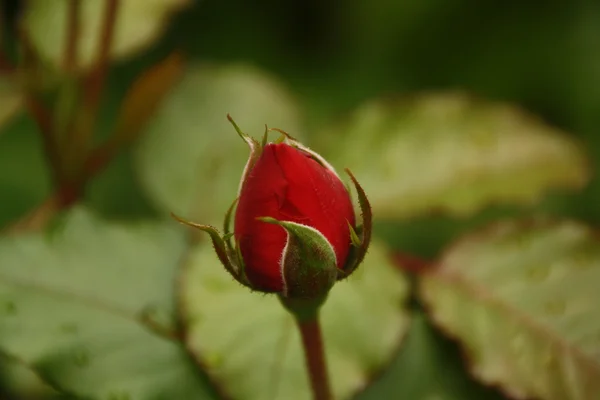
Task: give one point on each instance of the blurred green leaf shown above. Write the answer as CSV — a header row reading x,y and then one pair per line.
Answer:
x,y
250,345
451,153
428,235
116,192
145,95
522,298
427,367
89,307
139,23
190,160
18,379
24,181
10,99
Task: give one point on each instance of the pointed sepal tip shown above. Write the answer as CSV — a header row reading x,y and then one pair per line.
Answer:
x,y
360,241
224,252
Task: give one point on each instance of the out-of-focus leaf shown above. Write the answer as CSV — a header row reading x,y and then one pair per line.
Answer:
x,y
83,306
17,379
451,153
522,298
146,95
250,345
427,367
116,193
191,159
138,24
10,100
24,181
428,235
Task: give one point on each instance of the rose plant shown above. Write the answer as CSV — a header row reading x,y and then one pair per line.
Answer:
x,y
295,234
295,230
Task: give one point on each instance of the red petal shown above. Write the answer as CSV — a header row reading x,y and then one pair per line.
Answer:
x,y
261,244
319,196
287,184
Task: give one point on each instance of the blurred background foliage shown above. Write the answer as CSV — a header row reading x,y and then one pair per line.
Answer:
x,y
306,67
334,56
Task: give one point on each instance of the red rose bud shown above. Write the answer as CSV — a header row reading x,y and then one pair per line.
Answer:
x,y
290,185
295,228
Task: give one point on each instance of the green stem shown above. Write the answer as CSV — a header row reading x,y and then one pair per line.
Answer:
x,y
314,355
306,314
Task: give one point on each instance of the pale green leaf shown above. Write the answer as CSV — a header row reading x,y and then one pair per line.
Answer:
x,y
448,152
427,367
88,307
139,23
18,379
190,160
250,344
522,298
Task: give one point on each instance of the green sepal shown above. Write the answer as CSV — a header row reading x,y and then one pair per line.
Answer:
x,y
361,236
227,223
255,151
308,265
284,135
265,137
224,252
354,239
303,309
237,253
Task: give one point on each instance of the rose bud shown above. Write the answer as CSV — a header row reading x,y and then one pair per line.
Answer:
x,y
295,230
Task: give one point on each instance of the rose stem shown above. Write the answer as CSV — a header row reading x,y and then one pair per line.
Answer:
x,y
314,354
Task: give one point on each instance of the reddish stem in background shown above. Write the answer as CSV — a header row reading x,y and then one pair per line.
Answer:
x,y
68,191
40,113
95,81
97,77
411,263
73,25
314,354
